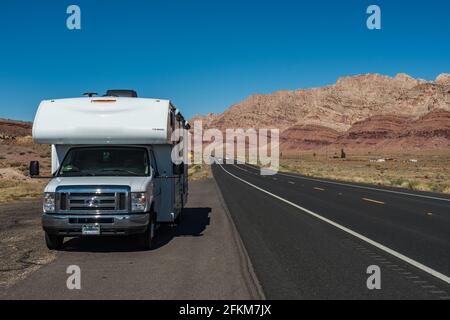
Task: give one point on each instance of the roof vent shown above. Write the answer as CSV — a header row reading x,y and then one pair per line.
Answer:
x,y
121,93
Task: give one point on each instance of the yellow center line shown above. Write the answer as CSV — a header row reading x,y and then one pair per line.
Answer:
x,y
374,201
320,189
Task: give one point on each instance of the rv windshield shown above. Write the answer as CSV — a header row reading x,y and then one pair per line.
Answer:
x,y
105,161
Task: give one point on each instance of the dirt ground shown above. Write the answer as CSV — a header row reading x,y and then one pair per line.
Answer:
x,y
22,248
22,245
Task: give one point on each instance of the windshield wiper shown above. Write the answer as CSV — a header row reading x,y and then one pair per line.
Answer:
x,y
119,170
77,174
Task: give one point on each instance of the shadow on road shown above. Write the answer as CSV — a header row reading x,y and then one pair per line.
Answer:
x,y
194,221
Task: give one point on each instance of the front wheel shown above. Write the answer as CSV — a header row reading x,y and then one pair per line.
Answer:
x,y
147,239
54,242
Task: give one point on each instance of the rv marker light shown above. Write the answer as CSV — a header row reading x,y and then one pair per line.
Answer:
x,y
103,100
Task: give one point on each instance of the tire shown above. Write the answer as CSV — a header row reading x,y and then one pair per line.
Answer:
x,y
54,242
147,239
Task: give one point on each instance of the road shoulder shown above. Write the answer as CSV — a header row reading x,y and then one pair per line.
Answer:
x,y
251,280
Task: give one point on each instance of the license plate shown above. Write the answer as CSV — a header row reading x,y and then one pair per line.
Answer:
x,y
90,229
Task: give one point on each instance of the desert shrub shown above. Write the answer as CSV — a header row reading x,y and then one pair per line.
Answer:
x,y
397,182
15,164
8,183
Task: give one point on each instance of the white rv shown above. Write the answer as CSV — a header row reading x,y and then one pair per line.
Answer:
x,y
112,171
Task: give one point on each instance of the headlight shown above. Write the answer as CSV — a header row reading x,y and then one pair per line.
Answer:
x,y
49,202
138,202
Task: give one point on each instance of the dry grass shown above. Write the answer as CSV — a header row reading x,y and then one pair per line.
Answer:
x,y
430,173
11,190
199,172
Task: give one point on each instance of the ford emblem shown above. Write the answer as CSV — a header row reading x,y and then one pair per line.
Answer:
x,y
92,202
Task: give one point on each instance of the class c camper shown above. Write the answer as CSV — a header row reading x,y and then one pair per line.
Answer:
x,y
112,170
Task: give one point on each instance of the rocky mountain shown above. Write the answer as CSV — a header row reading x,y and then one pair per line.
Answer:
x,y
308,137
431,131
357,111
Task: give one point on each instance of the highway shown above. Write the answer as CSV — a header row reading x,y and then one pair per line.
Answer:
x,y
314,239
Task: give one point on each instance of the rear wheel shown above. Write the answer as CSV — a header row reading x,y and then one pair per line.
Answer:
x,y
54,242
147,238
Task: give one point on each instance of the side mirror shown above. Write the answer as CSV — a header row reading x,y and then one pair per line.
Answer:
x,y
34,168
155,174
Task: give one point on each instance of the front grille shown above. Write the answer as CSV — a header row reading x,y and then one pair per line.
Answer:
x,y
122,201
63,201
90,220
97,200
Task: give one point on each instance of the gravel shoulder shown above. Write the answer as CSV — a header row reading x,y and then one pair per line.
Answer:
x,y
22,249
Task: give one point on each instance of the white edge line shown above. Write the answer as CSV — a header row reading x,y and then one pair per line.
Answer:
x,y
356,186
394,253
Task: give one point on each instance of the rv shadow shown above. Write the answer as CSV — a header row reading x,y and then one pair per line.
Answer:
x,y
193,223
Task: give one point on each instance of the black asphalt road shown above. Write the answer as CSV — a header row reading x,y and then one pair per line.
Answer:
x,y
297,255
203,258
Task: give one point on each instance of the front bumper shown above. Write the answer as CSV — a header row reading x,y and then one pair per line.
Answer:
x,y
71,225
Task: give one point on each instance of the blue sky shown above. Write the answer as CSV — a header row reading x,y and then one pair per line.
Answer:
x,y
207,55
